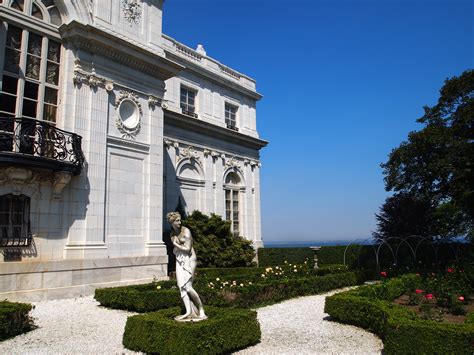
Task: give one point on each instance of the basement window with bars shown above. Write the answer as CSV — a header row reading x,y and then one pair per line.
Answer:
x,y
14,220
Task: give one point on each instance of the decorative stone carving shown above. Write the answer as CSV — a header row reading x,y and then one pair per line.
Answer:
x,y
186,262
60,181
154,101
189,153
168,143
129,114
232,163
132,11
17,176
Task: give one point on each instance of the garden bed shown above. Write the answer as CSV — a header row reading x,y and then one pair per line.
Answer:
x,y
402,330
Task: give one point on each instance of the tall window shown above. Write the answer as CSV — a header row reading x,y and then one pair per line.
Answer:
x,y
230,116
30,73
14,220
231,189
188,101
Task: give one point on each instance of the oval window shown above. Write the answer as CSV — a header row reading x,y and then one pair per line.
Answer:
x,y
129,113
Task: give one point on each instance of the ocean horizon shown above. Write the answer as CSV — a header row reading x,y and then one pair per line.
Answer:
x,y
315,243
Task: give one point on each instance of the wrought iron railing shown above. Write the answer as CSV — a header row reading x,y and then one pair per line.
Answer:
x,y
33,138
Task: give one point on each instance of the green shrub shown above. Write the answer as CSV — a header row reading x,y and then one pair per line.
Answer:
x,y
215,244
140,298
371,308
331,269
14,319
225,331
469,318
335,255
146,298
212,273
277,256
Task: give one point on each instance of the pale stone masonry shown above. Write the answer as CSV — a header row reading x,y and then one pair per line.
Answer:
x,y
161,124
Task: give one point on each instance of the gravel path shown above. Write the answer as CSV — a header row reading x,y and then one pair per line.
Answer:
x,y
79,326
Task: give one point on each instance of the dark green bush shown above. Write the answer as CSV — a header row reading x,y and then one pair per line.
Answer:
x,y
371,308
277,256
331,269
215,244
146,298
212,273
139,298
14,319
335,254
225,331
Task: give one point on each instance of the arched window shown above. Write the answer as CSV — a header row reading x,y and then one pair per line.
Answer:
x,y
31,64
14,220
232,207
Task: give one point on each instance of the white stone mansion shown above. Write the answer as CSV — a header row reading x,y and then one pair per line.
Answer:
x,y
106,124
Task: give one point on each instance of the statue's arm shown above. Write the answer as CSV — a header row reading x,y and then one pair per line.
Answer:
x,y
186,246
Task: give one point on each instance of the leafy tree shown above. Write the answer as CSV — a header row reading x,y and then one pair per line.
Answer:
x,y
403,215
436,162
215,244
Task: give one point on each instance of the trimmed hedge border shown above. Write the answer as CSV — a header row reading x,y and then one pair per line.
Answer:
x,y
146,298
277,256
14,319
371,308
225,330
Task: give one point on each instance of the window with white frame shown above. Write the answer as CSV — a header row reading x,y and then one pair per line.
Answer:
x,y
232,210
230,116
188,101
30,73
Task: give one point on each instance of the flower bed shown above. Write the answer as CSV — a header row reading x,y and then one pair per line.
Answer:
x,y
272,284
372,308
225,331
14,319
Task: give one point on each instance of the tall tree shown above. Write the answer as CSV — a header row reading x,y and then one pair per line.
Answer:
x,y
436,162
403,215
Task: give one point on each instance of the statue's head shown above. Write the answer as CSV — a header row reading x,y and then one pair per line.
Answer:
x,y
172,216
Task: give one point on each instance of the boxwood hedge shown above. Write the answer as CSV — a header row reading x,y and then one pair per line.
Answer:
x,y
402,331
277,256
146,298
225,331
14,319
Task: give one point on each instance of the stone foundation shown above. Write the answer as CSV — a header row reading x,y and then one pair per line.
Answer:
x,y
36,281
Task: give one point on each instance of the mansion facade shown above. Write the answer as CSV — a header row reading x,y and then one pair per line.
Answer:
x,y
107,124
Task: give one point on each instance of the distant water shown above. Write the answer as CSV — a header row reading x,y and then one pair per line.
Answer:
x,y
306,244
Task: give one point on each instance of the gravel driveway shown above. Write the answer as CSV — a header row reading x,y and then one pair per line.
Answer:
x,y
80,326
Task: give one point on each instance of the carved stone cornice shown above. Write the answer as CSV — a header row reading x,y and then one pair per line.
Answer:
x,y
98,41
179,120
188,153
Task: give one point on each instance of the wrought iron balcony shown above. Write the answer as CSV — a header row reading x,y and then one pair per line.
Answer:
x,y
38,144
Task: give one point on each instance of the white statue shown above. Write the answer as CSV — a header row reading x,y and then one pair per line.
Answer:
x,y
185,266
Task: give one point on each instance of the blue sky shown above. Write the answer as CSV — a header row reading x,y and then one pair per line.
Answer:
x,y
343,83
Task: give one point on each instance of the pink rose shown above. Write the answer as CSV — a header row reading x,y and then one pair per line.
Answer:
x,y
450,270
383,273
461,298
419,291
429,296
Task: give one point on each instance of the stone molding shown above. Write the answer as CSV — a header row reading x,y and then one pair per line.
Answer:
x,y
189,151
180,120
118,48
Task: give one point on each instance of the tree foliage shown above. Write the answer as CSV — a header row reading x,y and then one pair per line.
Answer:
x,y
215,244
403,215
436,162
